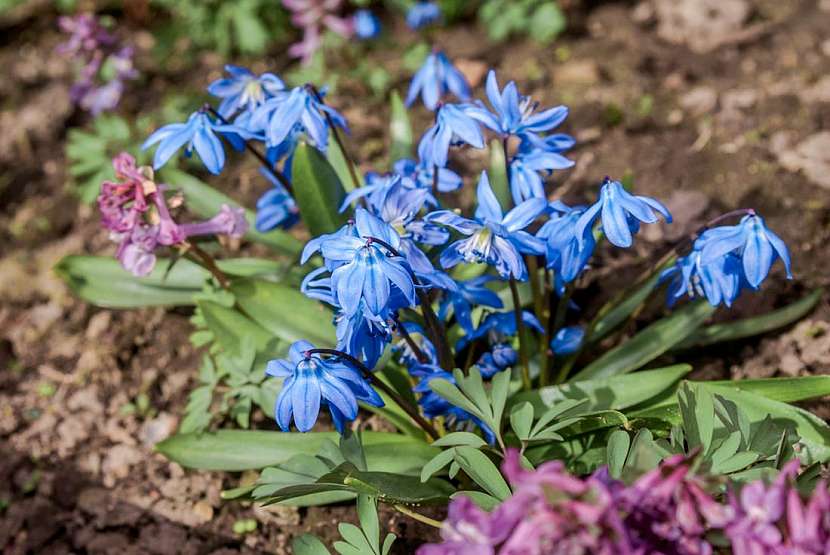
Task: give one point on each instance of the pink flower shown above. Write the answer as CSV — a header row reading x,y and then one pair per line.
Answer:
x,y
313,16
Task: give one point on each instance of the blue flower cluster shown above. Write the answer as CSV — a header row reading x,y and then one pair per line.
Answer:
x,y
253,109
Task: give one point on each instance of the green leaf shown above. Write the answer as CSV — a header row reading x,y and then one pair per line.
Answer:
x,y
618,445
498,174
367,512
206,201
483,500
616,392
482,470
232,328
698,410
308,544
400,130
237,450
521,419
455,439
340,164
609,318
546,23
435,464
317,190
285,312
650,343
756,325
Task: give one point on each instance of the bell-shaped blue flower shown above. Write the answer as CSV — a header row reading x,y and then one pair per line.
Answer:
x,y
280,117
500,358
407,355
499,326
422,13
276,208
463,296
362,335
243,90
621,213
753,242
516,115
422,175
200,133
436,78
311,382
525,179
566,253
567,340
453,127
366,24
492,237
719,281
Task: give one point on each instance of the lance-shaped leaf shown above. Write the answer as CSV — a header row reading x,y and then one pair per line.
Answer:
x,y
400,130
317,190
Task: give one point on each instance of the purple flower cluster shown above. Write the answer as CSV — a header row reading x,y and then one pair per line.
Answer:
x,y
104,63
666,511
313,17
135,212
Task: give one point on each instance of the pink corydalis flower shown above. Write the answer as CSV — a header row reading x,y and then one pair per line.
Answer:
x,y
135,212
313,17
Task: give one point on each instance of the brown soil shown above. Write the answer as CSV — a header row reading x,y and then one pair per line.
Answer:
x,y
709,115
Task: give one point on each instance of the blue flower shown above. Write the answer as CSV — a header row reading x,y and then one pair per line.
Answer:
x,y
453,126
243,90
283,116
362,335
407,355
363,270
499,326
422,14
525,181
463,296
719,281
751,240
567,340
366,24
435,78
566,253
502,357
311,381
276,208
492,237
199,133
421,175
621,213
514,114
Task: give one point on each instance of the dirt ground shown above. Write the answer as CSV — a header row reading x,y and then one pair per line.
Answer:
x,y
708,105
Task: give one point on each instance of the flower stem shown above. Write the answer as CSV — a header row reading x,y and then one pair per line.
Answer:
x,y
417,516
209,264
337,138
257,154
520,331
381,385
401,329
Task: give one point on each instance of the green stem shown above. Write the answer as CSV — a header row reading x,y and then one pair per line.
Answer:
x,y
417,516
520,331
337,138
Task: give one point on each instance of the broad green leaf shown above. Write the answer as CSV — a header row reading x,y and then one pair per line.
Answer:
x,y
648,344
756,325
616,392
340,164
547,22
308,544
400,130
285,312
618,445
498,174
237,450
616,314
231,328
206,201
317,190
521,419
483,472
697,408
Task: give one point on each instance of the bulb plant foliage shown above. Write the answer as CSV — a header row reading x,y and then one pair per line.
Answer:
x,y
457,325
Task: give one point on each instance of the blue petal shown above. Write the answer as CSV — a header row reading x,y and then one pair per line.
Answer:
x,y
305,402
488,205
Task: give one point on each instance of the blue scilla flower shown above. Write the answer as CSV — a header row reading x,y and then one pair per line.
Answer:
x,y
311,381
753,242
525,179
364,270
200,133
514,114
243,90
422,13
416,334
719,281
502,357
453,127
421,174
621,213
281,117
362,335
463,296
276,208
566,253
567,340
366,24
492,237
435,78
499,326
